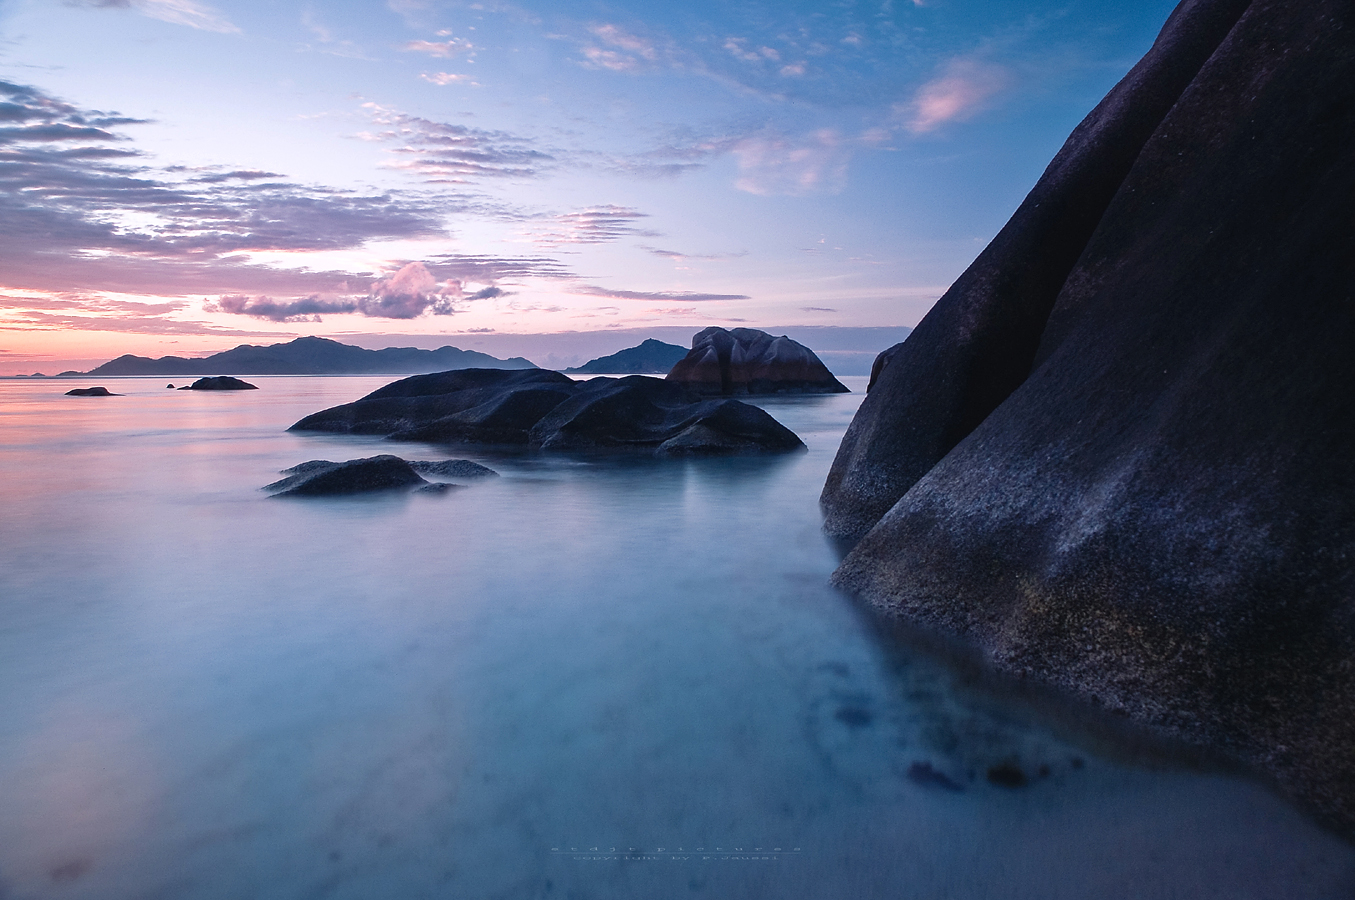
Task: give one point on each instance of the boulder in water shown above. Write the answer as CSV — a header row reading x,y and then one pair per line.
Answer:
x,y
321,478
220,383
748,361
91,392
547,410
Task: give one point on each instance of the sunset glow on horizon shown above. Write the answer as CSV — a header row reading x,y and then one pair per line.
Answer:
x,y
181,177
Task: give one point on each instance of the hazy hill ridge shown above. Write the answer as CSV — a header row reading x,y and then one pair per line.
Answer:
x,y
312,356
650,357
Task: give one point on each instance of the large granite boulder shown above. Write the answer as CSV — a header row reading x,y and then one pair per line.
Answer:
x,y
547,410
220,383
748,361
1115,457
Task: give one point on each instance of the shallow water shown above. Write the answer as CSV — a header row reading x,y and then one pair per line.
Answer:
x,y
584,679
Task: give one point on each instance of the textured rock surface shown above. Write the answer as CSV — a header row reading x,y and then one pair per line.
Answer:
x,y
977,344
220,383
1116,456
453,468
748,361
551,411
91,392
322,478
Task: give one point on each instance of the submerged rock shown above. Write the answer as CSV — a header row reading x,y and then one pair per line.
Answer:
x,y
748,361
1116,455
220,383
91,392
548,410
320,477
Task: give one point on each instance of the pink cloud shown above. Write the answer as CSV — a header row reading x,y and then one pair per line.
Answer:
x,y
441,49
445,78
960,93
618,38
774,164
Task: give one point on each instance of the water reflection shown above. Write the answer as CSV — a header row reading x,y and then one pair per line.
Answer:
x,y
208,694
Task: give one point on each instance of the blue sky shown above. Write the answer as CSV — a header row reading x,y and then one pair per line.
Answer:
x,y
179,177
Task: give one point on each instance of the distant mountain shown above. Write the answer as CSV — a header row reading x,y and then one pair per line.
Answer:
x,y
311,356
650,358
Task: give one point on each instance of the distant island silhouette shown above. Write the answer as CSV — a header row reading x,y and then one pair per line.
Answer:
x,y
310,356
649,358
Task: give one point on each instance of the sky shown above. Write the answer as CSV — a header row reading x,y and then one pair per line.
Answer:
x,y
179,177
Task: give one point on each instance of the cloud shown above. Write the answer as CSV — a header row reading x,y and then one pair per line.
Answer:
x,y
83,211
409,292
964,89
617,37
679,256
593,290
445,78
441,49
769,162
597,225
822,309
443,153
609,59
775,164
178,12
329,42
628,52
76,312
237,175
759,54
80,214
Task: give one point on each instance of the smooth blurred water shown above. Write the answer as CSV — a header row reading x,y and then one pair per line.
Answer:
x,y
605,678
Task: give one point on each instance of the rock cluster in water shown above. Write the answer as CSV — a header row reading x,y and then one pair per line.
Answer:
x,y
220,383
323,478
748,361
1116,455
550,411
91,392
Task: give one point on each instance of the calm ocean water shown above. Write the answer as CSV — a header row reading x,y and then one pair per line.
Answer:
x,y
584,679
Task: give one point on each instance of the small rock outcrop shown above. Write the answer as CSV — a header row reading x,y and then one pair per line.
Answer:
x,y
462,469
91,392
322,478
748,361
1116,456
550,411
220,383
